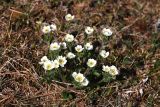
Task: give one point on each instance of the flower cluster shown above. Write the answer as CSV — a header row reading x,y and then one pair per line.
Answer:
x,y
112,70
48,28
51,64
67,57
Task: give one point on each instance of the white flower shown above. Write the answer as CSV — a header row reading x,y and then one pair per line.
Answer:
x,y
54,46
70,55
62,60
43,60
48,65
53,27
79,77
104,54
79,48
69,17
106,68
46,29
85,82
88,46
74,74
56,64
89,30
106,32
91,63
113,70
69,38
63,44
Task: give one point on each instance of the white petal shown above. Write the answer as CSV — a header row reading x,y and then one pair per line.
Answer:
x,y
85,82
141,91
74,74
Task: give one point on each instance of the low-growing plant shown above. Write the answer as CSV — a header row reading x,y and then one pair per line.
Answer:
x,y
80,63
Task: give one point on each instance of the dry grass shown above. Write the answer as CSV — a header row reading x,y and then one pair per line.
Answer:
x,y
135,45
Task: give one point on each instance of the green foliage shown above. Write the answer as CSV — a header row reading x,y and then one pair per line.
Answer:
x,y
68,95
157,64
107,77
150,102
155,68
127,60
94,75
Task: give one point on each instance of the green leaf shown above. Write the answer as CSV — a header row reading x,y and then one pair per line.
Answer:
x,y
67,95
106,77
96,73
157,64
127,60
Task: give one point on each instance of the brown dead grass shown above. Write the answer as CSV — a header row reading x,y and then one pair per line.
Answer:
x,y
21,47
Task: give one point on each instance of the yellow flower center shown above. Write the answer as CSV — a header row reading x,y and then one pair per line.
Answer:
x,y
46,30
70,17
61,61
113,72
54,46
48,66
79,78
91,63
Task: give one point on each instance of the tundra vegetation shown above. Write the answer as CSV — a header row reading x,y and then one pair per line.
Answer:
x,y
80,53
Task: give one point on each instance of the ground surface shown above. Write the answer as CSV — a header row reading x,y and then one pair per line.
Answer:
x,y
136,45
